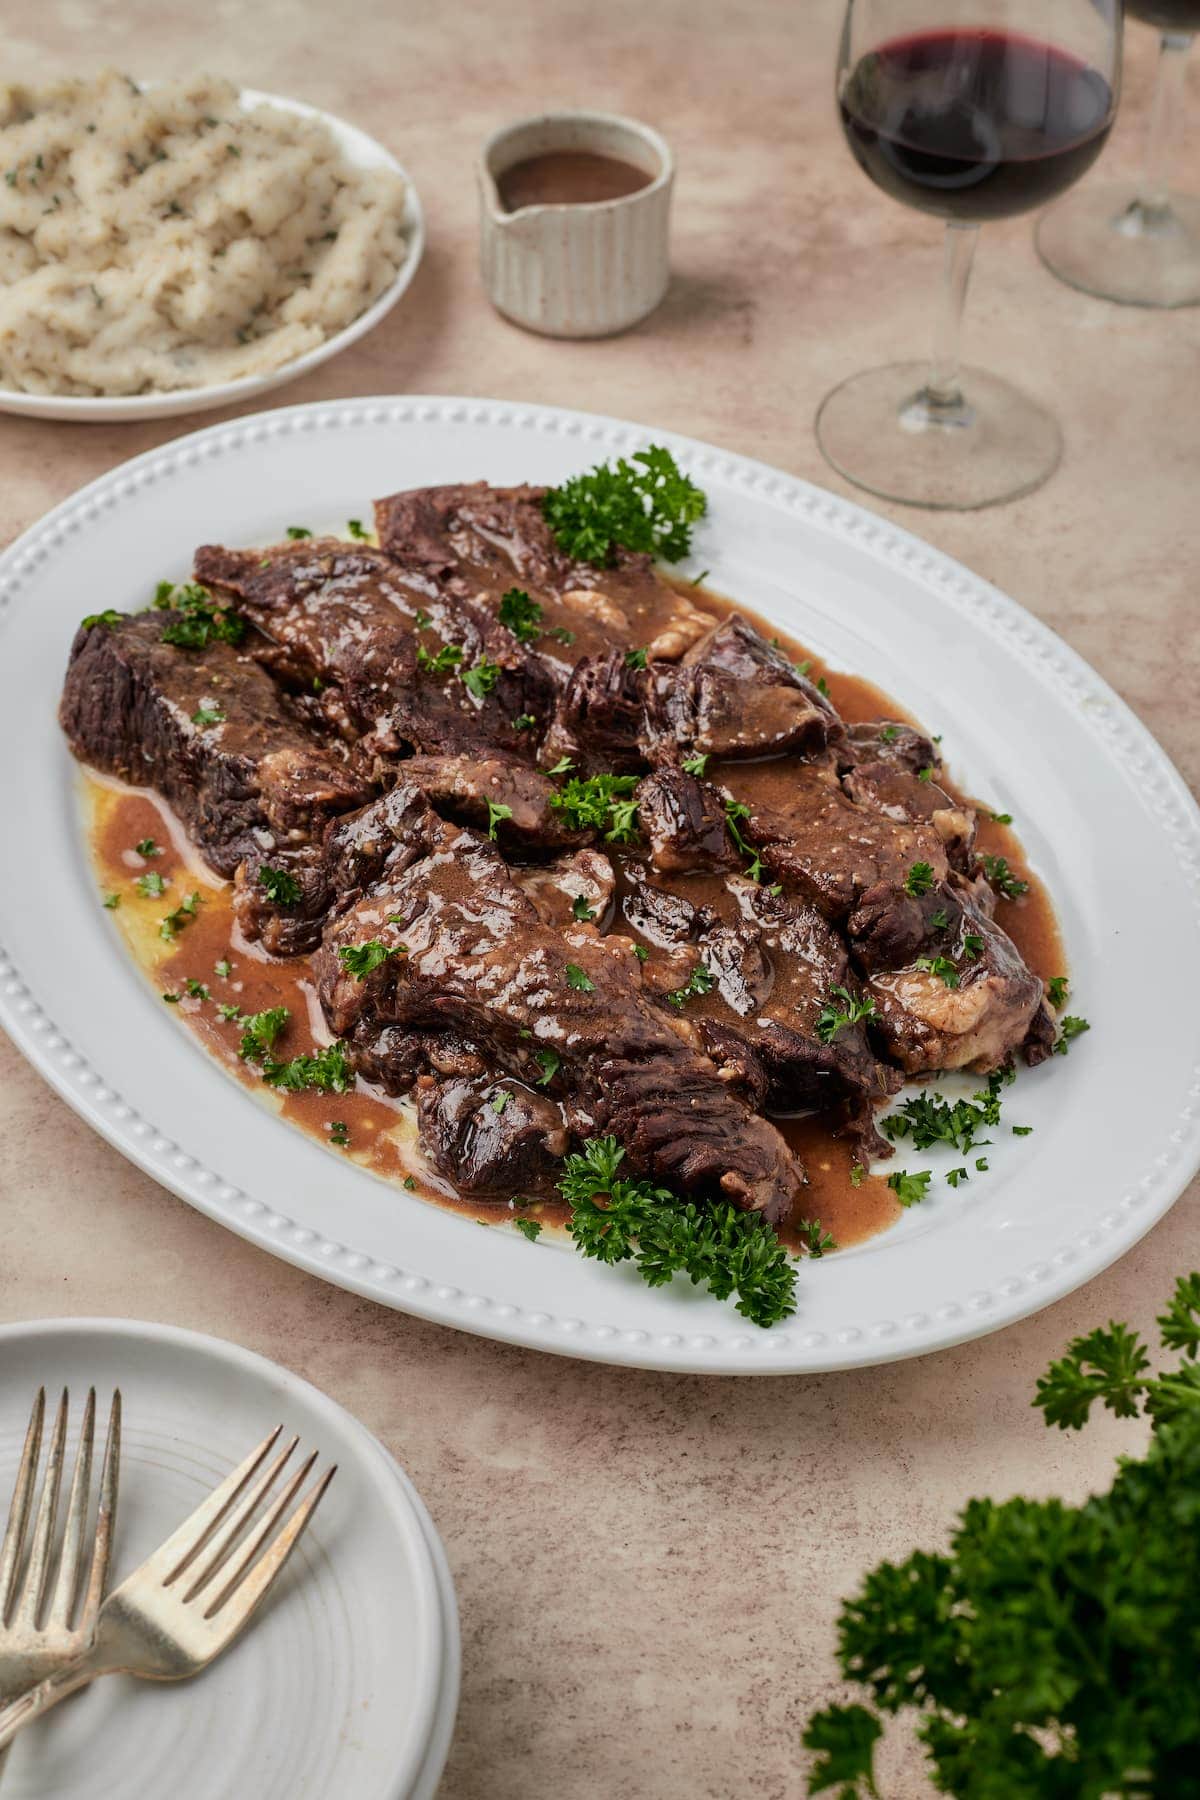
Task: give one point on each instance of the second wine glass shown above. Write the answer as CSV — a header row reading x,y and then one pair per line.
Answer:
x,y
970,110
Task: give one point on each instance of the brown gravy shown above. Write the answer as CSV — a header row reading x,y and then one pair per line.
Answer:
x,y
568,178
380,1134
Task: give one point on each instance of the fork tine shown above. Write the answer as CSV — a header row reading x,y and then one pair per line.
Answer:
x,y
71,1559
224,1542
263,1563
37,1575
106,1513
171,1558
18,1512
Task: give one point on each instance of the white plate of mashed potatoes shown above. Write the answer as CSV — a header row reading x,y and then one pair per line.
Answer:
x,y
173,247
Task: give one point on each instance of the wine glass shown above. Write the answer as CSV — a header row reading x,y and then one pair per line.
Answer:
x,y
970,110
1137,242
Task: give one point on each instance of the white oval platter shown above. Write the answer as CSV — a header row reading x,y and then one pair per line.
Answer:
x,y
360,150
1027,726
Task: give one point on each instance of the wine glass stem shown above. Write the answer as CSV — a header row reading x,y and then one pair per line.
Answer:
x,y
943,388
1165,110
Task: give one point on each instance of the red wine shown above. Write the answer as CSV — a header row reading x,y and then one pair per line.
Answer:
x,y
1168,15
974,125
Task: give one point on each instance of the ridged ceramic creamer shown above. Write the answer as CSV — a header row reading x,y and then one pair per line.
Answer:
x,y
583,269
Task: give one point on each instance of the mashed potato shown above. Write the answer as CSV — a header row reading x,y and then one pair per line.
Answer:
x,y
169,239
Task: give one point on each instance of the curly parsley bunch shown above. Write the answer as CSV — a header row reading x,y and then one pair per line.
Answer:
x,y
1053,1651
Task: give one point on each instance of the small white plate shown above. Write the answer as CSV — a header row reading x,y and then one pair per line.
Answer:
x,y
365,153
344,1687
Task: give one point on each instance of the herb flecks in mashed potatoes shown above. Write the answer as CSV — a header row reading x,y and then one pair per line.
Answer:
x,y
172,239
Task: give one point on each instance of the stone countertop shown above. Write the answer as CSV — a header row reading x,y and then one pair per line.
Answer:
x,y
649,1567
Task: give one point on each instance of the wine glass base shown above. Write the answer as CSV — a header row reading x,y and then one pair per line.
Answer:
x,y
885,432
1108,242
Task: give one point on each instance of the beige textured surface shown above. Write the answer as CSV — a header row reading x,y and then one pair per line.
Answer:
x,y
649,1567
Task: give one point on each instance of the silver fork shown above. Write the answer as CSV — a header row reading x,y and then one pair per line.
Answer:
x,y
164,1627
39,1631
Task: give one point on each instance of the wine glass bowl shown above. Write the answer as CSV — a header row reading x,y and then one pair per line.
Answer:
x,y
1137,242
970,110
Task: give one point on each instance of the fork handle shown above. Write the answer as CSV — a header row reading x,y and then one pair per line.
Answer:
x,y
21,1712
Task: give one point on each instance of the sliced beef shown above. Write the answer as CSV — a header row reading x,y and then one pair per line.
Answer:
x,y
492,1139
345,618
474,542
896,793
832,851
733,694
253,781
889,741
480,964
776,967
962,999
599,719
494,792
683,819
574,889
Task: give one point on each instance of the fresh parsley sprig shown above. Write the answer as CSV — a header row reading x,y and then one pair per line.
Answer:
x,y
617,1219
642,503
599,803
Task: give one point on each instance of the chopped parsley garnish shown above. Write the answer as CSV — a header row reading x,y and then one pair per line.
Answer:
x,y
259,1032
521,614
339,1132
1002,878
1022,1130
814,1237
500,1101
108,618
857,1174
581,910
561,635
736,810
230,1012
360,959
150,885
1000,818
1070,1028
940,966
972,944
280,888
171,999
643,503
954,1176
635,659
196,989
420,618
327,1071
929,1119
208,715
695,765
925,774
601,803
1058,989
822,686
357,530
112,901
919,879
200,620
497,813
298,531
889,734
530,1228
481,677
621,1220
562,766
699,982
410,1184
549,1061
579,980
524,722
940,919
798,668
641,952
183,915
447,658
224,968
981,1163
148,847
909,1189
833,1018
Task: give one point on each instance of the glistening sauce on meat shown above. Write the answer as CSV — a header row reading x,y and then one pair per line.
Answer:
x,y
568,178
365,1125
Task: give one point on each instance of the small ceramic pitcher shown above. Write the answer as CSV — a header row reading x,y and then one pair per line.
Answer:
x,y
578,270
